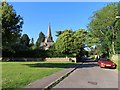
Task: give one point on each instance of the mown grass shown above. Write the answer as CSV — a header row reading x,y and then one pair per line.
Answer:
x,y
118,64
19,74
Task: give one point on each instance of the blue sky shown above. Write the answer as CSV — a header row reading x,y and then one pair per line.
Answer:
x,y
60,15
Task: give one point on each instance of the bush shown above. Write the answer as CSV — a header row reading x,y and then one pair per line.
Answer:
x,y
29,53
55,53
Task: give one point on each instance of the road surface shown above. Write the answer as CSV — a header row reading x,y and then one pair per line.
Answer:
x,y
90,75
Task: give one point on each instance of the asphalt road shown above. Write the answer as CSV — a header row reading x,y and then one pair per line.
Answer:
x,y
90,75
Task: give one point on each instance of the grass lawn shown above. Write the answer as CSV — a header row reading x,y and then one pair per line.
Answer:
x,y
19,74
118,64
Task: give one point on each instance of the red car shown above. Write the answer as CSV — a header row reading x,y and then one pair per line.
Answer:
x,y
106,63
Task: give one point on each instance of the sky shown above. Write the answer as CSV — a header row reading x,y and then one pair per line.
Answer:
x,y
60,15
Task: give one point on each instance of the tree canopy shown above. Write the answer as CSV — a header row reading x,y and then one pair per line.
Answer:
x,y
40,39
71,41
103,27
11,25
25,40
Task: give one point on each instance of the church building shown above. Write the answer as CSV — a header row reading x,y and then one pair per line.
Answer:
x,y
48,40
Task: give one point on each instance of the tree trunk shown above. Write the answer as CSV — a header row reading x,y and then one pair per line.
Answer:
x,y
113,47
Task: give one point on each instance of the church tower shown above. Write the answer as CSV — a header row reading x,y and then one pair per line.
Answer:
x,y
48,40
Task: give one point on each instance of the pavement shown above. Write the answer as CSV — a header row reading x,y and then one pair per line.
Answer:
x,y
45,82
86,75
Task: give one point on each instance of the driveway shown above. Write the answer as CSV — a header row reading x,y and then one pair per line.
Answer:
x,y
90,75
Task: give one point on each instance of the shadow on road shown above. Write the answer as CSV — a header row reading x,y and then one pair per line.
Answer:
x,y
89,65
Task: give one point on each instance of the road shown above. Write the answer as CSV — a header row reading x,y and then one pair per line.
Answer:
x,y
90,75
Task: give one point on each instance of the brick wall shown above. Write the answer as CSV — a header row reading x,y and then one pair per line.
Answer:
x,y
57,59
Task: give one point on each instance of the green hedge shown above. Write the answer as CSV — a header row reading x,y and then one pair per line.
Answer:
x,y
38,53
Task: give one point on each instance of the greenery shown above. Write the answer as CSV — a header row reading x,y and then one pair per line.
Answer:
x,y
27,53
118,64
40,39
25,40
11,25
71,42
19,74
102,36
103,26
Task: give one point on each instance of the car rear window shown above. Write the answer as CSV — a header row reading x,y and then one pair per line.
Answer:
x,y
106,61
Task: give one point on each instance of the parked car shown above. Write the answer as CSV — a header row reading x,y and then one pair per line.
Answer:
x,y
106,63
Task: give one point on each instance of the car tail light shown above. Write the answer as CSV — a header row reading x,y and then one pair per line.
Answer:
x,y
113,64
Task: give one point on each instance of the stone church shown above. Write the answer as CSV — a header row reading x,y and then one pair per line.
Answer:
x,y
48,40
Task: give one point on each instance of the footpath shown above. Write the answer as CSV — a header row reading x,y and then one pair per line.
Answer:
x,y
49,81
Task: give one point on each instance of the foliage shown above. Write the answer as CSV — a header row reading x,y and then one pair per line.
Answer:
x,y
54,53
40,39
25,40
102,26
0,26
117,43
11,25
58,33
32,42
69,42
24,53
118,64
79,39
64,42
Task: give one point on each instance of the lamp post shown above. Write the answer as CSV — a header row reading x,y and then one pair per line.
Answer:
x,y
113,41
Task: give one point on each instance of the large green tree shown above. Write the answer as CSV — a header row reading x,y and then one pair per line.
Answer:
x,y
64,42
79,38
11,25
40,39
0,25
102,26
69,42
25,40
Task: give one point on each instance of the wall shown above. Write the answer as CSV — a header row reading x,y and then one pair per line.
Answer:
x,y
116,57
57,59
41,59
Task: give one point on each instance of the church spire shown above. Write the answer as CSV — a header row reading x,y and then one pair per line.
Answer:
x,y
49,35
49,31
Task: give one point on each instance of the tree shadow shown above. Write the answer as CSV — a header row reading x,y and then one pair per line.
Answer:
x,y
89,65
53,65
62,65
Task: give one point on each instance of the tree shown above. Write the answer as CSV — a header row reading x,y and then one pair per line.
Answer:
x,y
117,43
25,40
0,25
79,38
11,25
64,42
32,42
58,33
70,42
102,27
40,39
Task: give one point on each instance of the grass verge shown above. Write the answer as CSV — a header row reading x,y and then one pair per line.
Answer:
x,y
118,64
18,74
